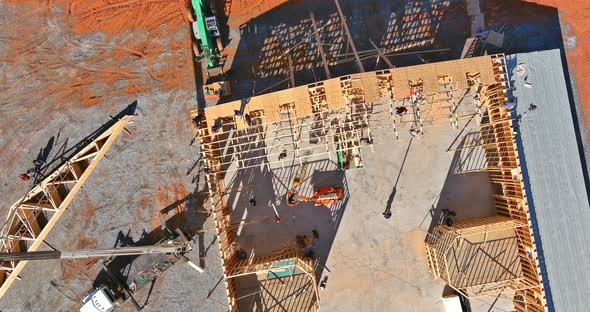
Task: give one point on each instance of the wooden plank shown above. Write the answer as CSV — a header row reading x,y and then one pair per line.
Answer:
x,y
320,47
302,102
334,95
370,86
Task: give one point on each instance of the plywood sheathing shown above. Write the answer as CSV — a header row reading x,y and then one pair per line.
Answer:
x,y
428,73
300,97
334,95
370,85
457,69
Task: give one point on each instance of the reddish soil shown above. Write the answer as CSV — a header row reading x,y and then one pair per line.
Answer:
x,y
74,52
576,14
244,10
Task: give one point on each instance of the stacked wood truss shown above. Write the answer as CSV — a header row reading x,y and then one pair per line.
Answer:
x,y
352,113
497,139
33,216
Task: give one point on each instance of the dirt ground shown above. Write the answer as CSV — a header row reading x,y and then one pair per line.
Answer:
x,y
65,65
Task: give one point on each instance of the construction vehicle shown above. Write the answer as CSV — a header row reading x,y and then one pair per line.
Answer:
x,y
107,297
324,196
206,29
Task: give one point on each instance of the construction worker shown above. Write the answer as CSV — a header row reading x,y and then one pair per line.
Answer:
x,y
283,154
253,201
509,105
248,120
401,110
315,234
197,121
215,128
532,107
323,283
414,132
367,140
238,113
29,174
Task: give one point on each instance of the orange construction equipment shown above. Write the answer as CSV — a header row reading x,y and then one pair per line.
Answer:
x,y
324,196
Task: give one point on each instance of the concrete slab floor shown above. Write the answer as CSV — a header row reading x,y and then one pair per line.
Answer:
x,y
377,263
374,263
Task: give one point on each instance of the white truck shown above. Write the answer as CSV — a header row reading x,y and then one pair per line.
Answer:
x,y
99,300
453,302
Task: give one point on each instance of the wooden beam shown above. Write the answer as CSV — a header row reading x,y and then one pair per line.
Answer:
x,y
109,136
347,31
381,55
320,47
291,74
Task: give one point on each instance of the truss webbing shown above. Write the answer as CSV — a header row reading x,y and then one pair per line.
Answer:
x,y
33,216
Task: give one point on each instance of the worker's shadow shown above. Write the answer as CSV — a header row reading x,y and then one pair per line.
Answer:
x,y
465,194
387,212
41,159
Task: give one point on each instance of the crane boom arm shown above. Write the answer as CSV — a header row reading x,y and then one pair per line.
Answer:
x,y
90,253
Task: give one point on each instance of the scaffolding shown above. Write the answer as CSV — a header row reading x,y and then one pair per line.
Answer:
x,y
33,216
346,115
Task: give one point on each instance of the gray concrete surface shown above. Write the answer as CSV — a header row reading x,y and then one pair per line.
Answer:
x,y
373,263
556,190
378,264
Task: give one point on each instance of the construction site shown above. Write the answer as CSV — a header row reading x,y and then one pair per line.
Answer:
x,y
337,155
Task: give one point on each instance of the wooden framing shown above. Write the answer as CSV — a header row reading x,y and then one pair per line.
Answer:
x,y
496,138
347,114
282,259
319,43
33,216
479,256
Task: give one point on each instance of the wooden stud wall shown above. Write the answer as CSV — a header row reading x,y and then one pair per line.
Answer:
x,y
502,162
349,100
511,202
445,238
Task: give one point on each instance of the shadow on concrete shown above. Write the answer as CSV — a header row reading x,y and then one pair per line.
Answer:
x,y
269,187
387,213
464,195
186,214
